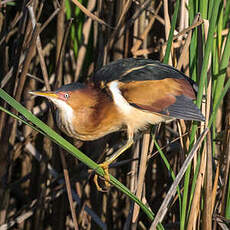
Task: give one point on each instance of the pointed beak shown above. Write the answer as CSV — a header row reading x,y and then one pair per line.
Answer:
x,y
47,94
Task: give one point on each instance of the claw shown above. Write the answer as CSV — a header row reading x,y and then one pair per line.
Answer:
x,y
105,167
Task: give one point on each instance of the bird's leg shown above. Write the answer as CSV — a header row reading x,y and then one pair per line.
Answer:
x,y
105,164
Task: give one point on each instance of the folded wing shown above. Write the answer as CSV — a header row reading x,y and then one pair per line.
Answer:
x,y
171,97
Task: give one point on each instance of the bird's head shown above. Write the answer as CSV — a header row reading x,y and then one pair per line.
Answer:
x,y
69,97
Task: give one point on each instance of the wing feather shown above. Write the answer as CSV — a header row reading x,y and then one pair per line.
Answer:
x,y
170,97
137,69
152,86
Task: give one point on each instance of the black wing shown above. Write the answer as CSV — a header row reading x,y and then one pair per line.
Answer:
x,y
138,69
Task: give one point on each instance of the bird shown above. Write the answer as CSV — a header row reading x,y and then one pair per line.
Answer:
x,y
125,95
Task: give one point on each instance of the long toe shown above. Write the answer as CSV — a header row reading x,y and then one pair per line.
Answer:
x,y
105,167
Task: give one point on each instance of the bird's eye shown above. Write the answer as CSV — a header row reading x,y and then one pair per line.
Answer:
x,y
66,95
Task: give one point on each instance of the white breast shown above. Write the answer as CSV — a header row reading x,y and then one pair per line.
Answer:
x,y
64,117
119,100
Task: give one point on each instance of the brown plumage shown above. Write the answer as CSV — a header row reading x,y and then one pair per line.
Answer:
x,y
128,94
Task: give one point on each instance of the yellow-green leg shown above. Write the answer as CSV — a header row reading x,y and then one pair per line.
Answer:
x,y
105,164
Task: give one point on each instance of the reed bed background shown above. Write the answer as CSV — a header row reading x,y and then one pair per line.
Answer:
x,y
176,176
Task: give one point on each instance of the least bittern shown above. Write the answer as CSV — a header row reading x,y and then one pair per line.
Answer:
x,y
126,94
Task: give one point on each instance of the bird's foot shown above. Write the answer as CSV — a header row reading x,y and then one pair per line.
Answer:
x,y
105,167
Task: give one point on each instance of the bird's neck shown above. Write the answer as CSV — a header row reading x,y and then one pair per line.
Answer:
x,y
97,119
